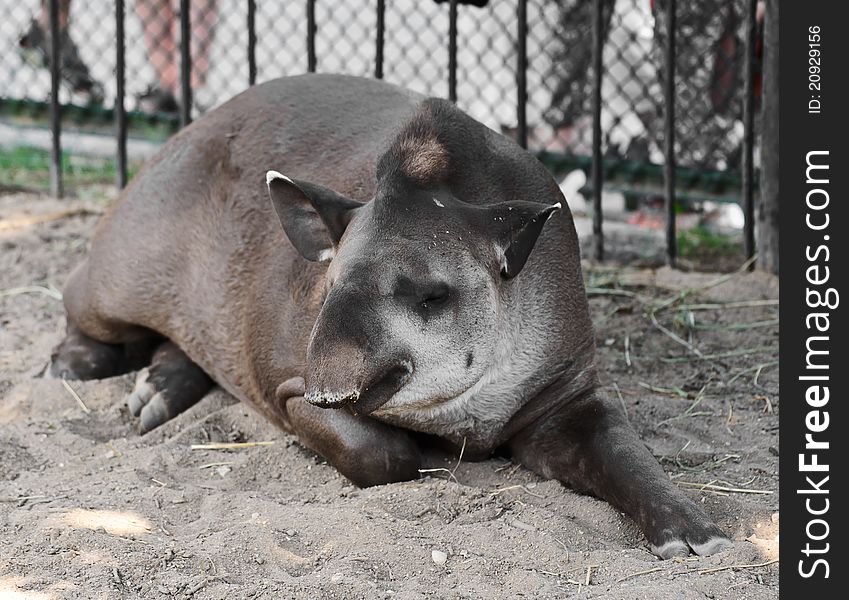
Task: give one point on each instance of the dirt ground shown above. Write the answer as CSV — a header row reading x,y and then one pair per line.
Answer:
x,y
91,509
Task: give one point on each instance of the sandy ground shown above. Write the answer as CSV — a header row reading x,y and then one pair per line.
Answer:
x,y
90,509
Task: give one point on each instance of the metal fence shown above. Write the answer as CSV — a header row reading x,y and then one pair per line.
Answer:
x,y
672,112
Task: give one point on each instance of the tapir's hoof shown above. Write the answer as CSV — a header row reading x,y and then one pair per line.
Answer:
x,y
141,394
698,536
164,390
682,549
81,357
151,406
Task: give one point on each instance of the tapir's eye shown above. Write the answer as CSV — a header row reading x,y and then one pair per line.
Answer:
x,y
435,296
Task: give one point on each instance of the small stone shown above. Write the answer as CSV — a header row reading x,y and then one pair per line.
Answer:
x,y
439,557
337,578
291,532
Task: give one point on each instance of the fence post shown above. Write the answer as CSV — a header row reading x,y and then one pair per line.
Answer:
x,y
669,167
251,42
522,75
311,27
55,108
185,63
452,51
120,111
378,53
768,204
749,132
597,168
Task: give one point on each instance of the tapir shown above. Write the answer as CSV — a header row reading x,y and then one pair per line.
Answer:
x,y
371,270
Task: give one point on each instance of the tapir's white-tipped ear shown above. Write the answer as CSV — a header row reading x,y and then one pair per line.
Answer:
x,y
313,217
272,175
518,225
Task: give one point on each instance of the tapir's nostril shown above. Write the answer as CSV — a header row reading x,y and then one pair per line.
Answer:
x,y
379,390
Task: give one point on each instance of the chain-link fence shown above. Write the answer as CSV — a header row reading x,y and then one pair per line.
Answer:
x,y
709,63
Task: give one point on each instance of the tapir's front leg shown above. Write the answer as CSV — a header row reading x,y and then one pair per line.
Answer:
x,y
364,450
589,445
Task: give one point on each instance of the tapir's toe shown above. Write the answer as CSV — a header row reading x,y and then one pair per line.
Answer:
x,y
712,546
691,531
682,549
141,394
170,385
155,413
672,549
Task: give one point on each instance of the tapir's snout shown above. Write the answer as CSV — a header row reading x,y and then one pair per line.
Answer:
x,y
334,384
351,362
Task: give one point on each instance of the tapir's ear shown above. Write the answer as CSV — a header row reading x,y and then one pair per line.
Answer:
x,y
518,225
313,216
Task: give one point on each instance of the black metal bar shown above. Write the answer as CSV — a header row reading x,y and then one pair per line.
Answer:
x,y
185,63
120,111
522,75
669,167
251,42
55,107
311,29
598,168
378,55
749,132
452,51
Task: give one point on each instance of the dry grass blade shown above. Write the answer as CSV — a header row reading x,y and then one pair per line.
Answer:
x,y
727,567
76,397
21,498
673,391
719,355
756,368
229,445
451,472
689,412
621,399
514,487
638,573
29,220
722,488
601,291
728,305
49,291
737,326
683,294
674,336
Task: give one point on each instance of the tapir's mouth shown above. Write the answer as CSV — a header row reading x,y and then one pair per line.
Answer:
x,y
331,399
366,398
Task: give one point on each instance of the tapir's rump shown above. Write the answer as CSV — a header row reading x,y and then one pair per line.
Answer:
x,y
360,263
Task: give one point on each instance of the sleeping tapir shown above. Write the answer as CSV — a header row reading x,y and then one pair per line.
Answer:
x,y
363,265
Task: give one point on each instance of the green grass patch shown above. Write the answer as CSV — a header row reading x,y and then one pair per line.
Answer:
x,y
699,243
29,167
